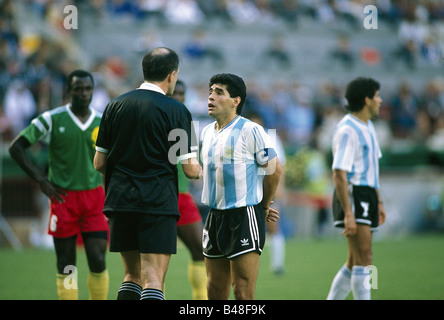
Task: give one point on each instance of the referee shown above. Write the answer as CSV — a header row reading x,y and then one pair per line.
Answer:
x,y
357,204
136,151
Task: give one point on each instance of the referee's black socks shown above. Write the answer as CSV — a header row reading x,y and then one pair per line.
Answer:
x,y
129,291
152,294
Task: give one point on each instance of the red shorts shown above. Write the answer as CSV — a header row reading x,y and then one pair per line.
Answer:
x,y
82,211
189,213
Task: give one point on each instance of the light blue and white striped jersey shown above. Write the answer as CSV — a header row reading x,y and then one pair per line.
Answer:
x,y
356,150
231,160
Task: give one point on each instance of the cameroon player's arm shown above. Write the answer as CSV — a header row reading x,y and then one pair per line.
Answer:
x,y
18,153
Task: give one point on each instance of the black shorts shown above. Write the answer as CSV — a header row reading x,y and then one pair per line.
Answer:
x,y
146,233
230,233
364,202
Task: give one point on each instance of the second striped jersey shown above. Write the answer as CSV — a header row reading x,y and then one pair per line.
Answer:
x,y
356,150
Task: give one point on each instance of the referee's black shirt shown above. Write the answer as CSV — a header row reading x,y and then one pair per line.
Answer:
x,y
134,132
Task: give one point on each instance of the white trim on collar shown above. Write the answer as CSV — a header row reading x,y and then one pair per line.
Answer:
x,y
80,124
151,86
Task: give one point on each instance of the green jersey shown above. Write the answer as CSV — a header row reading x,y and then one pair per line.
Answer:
x,y
71,147
183,181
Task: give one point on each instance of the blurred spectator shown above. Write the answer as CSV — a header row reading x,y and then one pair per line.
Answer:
x,y
215,10
19,105
431,51
153,10
288,10
101,96
148,41
243,11
301,118
411,34
404,107
123,9
184,12
198,49
343,53
266,14
277,52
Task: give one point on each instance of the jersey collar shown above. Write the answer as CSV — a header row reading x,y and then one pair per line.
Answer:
x,y
151,86
80,124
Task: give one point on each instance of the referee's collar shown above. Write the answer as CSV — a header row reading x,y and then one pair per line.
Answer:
x,y
151,86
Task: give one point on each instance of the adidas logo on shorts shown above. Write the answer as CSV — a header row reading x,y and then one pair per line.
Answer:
x,y
244,242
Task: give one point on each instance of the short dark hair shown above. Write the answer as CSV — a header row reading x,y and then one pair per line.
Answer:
x,y
235,86
79,74
359,89
159,63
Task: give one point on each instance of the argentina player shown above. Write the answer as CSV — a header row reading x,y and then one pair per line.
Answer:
x,y
240,175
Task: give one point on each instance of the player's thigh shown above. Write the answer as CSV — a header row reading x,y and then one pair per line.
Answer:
x,y
218,270
191,236
218,278
360,245
131,266
245,268
154,267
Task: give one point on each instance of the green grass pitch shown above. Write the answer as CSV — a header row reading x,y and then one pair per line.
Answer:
x,y
407,268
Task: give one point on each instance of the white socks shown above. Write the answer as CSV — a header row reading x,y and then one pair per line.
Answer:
x,y
357,280
360,283
277,243
341,285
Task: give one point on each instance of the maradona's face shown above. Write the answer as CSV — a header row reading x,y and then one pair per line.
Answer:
x,y
220,104
375,104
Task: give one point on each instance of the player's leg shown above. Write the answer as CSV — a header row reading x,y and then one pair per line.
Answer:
x,y
154,267
65,249
123,239
218,278
157,241
191,236
341,285
245,269
360,256
98,277
131,287
277,247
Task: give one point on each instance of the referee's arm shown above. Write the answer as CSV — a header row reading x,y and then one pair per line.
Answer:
x,y
191,168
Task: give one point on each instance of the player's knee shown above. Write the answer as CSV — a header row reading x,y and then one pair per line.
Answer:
x,y
97,264
365,257
243,291
217,290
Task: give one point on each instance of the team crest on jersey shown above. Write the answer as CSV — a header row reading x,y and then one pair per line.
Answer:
x,y
205,238
229,152
94,135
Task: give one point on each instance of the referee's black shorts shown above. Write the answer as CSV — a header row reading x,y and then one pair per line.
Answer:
x,y
146,233
233,232
364,202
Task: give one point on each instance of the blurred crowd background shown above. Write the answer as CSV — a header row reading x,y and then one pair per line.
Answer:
x,y
296,57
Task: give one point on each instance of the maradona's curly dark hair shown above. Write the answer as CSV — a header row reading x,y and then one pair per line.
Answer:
x,y
357,90
235,86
